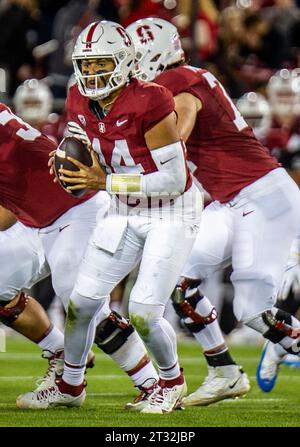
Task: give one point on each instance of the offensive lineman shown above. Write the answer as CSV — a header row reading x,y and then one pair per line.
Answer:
x,y
255,211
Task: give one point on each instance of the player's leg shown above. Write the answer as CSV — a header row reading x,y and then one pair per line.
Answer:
x,y
261,246
274,354
65,250
167,246
105,263
24,265
211,251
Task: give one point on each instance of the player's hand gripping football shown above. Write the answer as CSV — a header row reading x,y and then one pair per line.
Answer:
x,y
91,177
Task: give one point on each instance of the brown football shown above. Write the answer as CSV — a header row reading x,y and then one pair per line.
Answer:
x,y
71,147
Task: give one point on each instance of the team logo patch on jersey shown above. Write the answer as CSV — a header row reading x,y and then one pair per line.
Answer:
x,y
82,119
101,127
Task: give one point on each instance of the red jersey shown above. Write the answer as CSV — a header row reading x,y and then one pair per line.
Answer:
x,y
118,138
226,155
26,188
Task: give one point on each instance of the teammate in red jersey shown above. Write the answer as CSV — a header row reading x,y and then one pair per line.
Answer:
x,y
33,102
154,217
50,237
255,213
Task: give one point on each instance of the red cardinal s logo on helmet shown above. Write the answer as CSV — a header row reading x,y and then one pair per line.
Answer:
x,y
145,34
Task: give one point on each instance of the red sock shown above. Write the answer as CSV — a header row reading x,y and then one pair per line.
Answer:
x,y
73,390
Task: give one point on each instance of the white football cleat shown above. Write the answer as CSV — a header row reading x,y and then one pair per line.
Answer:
x,y
52,397
166,396
222,382
141,400
56,367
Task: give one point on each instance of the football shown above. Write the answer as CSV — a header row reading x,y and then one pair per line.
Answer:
x,y
71,147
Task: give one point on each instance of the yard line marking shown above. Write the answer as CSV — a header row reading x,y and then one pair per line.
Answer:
x,y
109,394
252,399
121,375
102,376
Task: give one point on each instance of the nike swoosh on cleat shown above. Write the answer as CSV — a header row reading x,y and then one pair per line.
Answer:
x,y
62,228
249,212
234,383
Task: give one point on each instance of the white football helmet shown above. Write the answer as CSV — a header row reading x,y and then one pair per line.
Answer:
x,y
157,45
33,101
256,110
283,91
107,40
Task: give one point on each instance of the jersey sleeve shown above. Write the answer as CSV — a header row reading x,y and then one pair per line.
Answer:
x,y
180,80
6,131
157,103
173,80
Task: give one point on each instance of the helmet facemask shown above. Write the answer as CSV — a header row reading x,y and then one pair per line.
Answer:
x,y
113,79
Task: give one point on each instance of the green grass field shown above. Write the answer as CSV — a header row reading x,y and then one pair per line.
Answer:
x,y
109,389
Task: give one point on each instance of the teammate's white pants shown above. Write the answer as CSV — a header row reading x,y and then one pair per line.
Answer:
x,y
28,255
162,245
254,231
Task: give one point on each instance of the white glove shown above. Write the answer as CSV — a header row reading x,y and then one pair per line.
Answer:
x,y
76,131
291,281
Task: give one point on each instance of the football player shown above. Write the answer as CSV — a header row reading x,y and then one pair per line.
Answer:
x,y
33,103
255,213
153,219
50,237
283,140
256,110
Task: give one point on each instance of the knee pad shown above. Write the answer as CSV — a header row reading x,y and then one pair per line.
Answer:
x,y
112,333
9,314
185,307
274,324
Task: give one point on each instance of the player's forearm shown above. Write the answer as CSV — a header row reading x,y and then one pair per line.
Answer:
x,y
169,178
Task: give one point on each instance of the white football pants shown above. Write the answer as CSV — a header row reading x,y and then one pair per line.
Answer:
x,y
28,255
254,232
162,245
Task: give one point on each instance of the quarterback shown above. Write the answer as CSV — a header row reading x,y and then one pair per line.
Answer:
x,y
154,216
50,237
